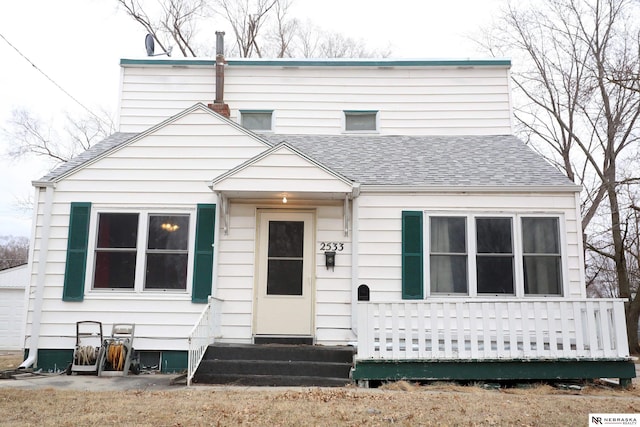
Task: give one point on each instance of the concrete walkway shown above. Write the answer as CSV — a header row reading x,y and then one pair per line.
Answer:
x,y
146,382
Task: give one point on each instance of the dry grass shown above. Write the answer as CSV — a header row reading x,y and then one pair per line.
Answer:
x,y
10,359
277,407
399,403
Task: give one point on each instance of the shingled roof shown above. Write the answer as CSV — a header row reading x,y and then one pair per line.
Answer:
x,y
447,161
491,161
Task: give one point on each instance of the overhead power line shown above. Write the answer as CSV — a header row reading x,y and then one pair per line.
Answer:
x,y
53,81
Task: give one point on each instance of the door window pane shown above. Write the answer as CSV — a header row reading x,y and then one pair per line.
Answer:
x,y
286,238
448,255
115,257
284,277
285,258
494,258
541,256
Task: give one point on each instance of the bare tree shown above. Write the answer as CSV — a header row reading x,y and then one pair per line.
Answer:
x,y
572,107
31,136
260,27
14,251
313,42
246,17
176,20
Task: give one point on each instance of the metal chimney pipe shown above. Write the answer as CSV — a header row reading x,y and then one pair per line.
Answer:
x,y
219,68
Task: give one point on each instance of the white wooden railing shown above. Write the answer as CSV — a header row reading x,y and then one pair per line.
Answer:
x,y
203,333
542,328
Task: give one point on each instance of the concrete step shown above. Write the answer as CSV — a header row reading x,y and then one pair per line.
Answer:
x,y
275,365
337,354
271,380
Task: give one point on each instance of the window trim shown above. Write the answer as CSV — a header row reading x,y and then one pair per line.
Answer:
x,y
254,111
346,113
141,251
518,252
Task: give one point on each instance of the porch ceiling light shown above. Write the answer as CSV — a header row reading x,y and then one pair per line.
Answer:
x,y
284,199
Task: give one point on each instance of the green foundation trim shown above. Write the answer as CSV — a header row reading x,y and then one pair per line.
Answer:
x,y
52,360
174,361
497,370
57,360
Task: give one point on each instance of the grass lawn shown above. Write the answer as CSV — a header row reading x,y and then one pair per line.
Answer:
x,y
398,403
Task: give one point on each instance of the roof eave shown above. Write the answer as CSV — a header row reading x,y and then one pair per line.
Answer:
x,y
375,188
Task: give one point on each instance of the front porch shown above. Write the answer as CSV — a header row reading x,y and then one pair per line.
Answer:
x,y
510,339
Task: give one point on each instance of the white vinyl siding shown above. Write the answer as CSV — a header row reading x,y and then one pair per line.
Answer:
x,y
380,228
167,172
311,100
235,284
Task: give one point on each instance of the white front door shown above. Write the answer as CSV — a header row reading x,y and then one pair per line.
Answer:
x,y
284,300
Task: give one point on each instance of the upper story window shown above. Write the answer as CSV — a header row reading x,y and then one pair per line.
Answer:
x,y
125,260
258,120
360,121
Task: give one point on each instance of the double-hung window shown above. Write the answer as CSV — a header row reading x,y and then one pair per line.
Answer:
x,y
116,251
478,254
448,254
541,256
494,255
137,251
167,252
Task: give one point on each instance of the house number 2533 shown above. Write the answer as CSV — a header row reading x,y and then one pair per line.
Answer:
x,y
331,246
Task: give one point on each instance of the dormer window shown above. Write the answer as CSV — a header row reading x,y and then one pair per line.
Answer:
x,y
258,120
361,121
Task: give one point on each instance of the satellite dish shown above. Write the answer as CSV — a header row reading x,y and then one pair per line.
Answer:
x,y
150,44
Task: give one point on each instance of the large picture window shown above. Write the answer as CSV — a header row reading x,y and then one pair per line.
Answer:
x,y
140,251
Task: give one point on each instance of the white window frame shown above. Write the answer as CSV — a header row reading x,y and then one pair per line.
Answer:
x,y
518,252
247,112
346,113
141,251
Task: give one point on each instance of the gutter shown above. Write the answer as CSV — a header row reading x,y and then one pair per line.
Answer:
x,y
556,188
40,278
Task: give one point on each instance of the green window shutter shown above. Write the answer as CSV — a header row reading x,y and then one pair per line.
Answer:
x,y
77,242
203,257
412,262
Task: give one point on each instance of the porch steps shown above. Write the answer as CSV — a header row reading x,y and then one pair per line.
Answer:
x,y
275,365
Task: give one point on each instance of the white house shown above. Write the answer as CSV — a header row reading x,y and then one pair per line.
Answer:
x,y
383,203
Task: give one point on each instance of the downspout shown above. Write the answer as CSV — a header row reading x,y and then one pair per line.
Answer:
x,y
40,278
355,271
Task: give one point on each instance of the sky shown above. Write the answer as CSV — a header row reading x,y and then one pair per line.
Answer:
x,y
78,45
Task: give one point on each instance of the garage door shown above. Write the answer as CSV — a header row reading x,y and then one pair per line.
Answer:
x,y
11,318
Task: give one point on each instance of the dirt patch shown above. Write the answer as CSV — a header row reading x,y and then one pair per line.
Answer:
x,y
399,404
10,359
